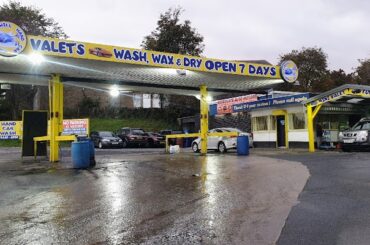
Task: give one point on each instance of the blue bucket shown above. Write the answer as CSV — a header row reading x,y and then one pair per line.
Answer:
x,y
81,154
242,146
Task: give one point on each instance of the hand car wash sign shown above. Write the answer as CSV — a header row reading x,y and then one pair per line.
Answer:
x,y
10,130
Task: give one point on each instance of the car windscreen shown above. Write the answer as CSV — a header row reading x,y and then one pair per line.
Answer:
x,y
106,134
365,125
138,132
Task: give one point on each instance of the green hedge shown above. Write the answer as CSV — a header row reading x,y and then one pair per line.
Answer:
x,y
115,124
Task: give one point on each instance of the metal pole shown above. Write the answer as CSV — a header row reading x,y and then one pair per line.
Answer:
x,y
203,119
56,116
311,138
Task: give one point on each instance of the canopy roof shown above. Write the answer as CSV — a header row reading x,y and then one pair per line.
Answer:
x,y
99,66
347,93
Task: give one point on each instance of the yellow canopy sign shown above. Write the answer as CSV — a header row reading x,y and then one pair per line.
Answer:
x,y
83,50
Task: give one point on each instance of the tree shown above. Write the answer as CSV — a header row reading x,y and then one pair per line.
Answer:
x,y
340,77
313,73
363,72
34,22
31,19
175,37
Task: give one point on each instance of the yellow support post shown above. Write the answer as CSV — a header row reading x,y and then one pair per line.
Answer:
x,y
311,138
203,119
317,109
56,116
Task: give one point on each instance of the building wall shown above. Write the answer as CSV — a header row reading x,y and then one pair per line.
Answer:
x,y
239,120
74,95
296,137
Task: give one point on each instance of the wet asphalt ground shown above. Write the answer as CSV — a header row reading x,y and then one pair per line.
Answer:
x,y
137,196
334,205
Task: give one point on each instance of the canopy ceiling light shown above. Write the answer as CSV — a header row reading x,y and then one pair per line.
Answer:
x,y
114,92
36,58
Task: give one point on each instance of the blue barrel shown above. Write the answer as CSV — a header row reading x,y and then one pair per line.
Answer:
x,y
242,145
81,154
92,153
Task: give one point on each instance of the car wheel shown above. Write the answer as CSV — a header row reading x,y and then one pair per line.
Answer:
x,y
100,145
124,144
346,149
221,147
195,147
150,144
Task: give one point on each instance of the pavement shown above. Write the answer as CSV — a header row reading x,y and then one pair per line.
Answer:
x,y
136,196
334,206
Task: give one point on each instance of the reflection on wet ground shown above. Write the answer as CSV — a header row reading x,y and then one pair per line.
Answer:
x,y
149,199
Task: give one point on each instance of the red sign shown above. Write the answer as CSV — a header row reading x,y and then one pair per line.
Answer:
x,y
226,105
76,127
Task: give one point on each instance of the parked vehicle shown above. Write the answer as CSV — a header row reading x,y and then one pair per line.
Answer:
x,y
221,144
103,139
155,139
170,131
357,137
132,137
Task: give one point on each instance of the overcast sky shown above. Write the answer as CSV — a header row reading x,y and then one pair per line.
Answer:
x,y
232,29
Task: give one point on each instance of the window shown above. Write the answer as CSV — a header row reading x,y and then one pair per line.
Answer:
x,y
273,122
156,101
138,132
147,100
333,121
106,134
260,123
138,100
297,121
362,125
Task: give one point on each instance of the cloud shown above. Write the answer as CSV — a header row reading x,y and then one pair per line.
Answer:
x,y
233,29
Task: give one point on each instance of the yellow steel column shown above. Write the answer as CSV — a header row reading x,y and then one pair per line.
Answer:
x,y
61,107
311,138
56,116
203,119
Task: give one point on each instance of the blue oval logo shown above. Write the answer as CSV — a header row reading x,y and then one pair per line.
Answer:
x,y
13,40
289,71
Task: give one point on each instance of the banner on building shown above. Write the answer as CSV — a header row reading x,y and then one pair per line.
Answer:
x,y
286,100
226,105
92,51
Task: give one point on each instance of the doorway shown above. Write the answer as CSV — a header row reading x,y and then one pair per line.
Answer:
x,y
280,128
